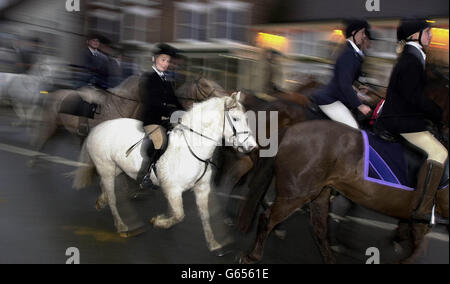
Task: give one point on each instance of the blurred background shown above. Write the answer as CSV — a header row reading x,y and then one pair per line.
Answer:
x,y
254,45
224,40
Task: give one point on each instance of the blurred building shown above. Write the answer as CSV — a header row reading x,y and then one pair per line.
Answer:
x,y
311,32
59,31
223,39
214,35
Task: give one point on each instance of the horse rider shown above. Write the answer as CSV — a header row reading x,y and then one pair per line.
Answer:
x,y
159,102
406,108
339,96
95,63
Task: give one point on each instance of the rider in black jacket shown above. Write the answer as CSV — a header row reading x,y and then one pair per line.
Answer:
x,y
159,102
406,107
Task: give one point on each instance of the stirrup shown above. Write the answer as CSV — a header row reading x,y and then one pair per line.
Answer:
x,y
147,181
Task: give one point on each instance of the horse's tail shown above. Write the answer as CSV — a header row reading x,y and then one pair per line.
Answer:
x,y
83,176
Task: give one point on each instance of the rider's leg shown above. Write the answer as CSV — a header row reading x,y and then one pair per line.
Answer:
x,y
431,173
83,126
157,135
337,111
426,141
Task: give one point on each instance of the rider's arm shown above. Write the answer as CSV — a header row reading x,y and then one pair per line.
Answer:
x,y
346,67
412,91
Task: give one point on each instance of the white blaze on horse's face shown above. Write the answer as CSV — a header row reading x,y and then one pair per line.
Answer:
x,y
236,129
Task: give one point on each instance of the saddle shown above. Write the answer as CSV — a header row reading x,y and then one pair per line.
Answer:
x,y
392,161
414,156
396,159
75,105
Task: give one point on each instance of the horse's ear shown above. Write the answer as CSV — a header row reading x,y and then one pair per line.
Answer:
x,y
231,101
238,96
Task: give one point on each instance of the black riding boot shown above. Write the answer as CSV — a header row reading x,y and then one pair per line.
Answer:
x,y
153,155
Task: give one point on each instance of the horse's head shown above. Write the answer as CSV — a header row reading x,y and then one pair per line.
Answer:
x,y
236,129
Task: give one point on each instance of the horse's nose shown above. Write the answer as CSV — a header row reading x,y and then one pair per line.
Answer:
x,y
252,145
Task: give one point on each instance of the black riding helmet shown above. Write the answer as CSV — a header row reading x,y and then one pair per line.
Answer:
x,y
408,27
164,48
355,25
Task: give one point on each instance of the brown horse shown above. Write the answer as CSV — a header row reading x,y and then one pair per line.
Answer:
x,y
318,166
256,172
251,170
259,178
122,101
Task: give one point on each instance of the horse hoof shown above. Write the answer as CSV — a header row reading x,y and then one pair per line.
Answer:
x,y
99,207
246,259
131,234
222,251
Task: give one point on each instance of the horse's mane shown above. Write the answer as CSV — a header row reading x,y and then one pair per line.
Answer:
x,y
128,89
200,89
203,108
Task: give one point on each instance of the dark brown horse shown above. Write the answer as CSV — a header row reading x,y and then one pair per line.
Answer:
x,y
259,177
308,166
251,170
257,172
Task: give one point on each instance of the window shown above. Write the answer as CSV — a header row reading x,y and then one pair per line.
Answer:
x,y
191,21
140,24
385,45
230,20
105,23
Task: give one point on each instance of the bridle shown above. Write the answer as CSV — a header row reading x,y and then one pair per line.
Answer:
x,y
208,161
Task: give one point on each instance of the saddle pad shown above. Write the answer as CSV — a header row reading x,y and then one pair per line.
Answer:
x,y
75,105
384,162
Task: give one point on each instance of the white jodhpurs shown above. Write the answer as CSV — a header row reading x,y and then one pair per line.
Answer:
x,y
337,111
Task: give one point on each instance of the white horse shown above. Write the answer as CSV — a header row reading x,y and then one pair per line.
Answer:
x,y
183,166
5,80
27,91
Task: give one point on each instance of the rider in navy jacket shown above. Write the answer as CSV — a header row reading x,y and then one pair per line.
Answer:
x,y
338,96
346,71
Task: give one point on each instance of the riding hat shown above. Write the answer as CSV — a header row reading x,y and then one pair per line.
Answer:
x,y
409,27
164,48
101,38
356,25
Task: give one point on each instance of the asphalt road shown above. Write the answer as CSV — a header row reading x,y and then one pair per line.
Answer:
x,y
41,216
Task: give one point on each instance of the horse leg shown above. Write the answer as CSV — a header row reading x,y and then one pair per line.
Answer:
x,y
418,232
319,221
202,192
102,201
107,184
176,210
280,211
19,109
258,187
43,132
45,129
